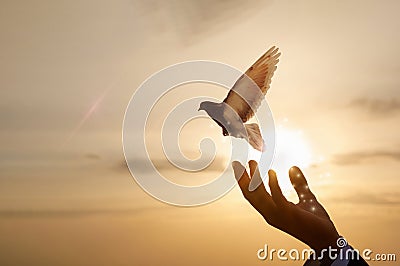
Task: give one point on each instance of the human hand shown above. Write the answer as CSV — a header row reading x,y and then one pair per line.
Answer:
x,y
307,220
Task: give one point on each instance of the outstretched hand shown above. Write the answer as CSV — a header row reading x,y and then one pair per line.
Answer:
x,y
307,220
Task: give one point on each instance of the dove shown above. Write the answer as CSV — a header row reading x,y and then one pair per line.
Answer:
x,y
243,100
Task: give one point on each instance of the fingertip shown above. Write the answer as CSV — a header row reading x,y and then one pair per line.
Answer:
x,y
272,177
236,167
253,163
238,170
294,171
271,173
234,163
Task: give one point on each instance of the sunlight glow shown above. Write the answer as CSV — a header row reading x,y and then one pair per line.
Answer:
x,y
291,149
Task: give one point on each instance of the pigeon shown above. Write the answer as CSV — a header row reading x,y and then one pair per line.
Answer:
x,y
243,100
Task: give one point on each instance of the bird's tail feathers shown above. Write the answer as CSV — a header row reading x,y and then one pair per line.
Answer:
x,y
254,136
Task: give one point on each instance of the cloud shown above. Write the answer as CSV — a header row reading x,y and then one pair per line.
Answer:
x,y
370,198
362,156
377,106
92,156
26,213
218,164
191,20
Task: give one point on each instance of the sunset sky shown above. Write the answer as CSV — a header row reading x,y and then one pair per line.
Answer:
x,y
69,69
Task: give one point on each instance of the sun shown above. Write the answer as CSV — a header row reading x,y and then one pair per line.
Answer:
x,y
292,148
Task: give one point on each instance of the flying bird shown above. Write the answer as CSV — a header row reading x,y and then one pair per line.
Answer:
x,y
243,100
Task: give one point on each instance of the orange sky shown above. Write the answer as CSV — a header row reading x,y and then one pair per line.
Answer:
x,y
66,197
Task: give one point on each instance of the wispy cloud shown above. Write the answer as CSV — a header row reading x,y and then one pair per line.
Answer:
x,y
92,156
377,106
163,164
191,20
362,156
72,213
389,199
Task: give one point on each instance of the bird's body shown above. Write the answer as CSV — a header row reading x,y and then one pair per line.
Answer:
x,y
243,100
225,117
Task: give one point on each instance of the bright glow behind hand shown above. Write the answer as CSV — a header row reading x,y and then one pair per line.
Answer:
x,y
291,149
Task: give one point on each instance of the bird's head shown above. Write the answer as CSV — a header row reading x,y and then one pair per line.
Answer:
x,y
216,112
207,106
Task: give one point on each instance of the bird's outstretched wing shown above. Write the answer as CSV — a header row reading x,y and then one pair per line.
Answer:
x,y
261,73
